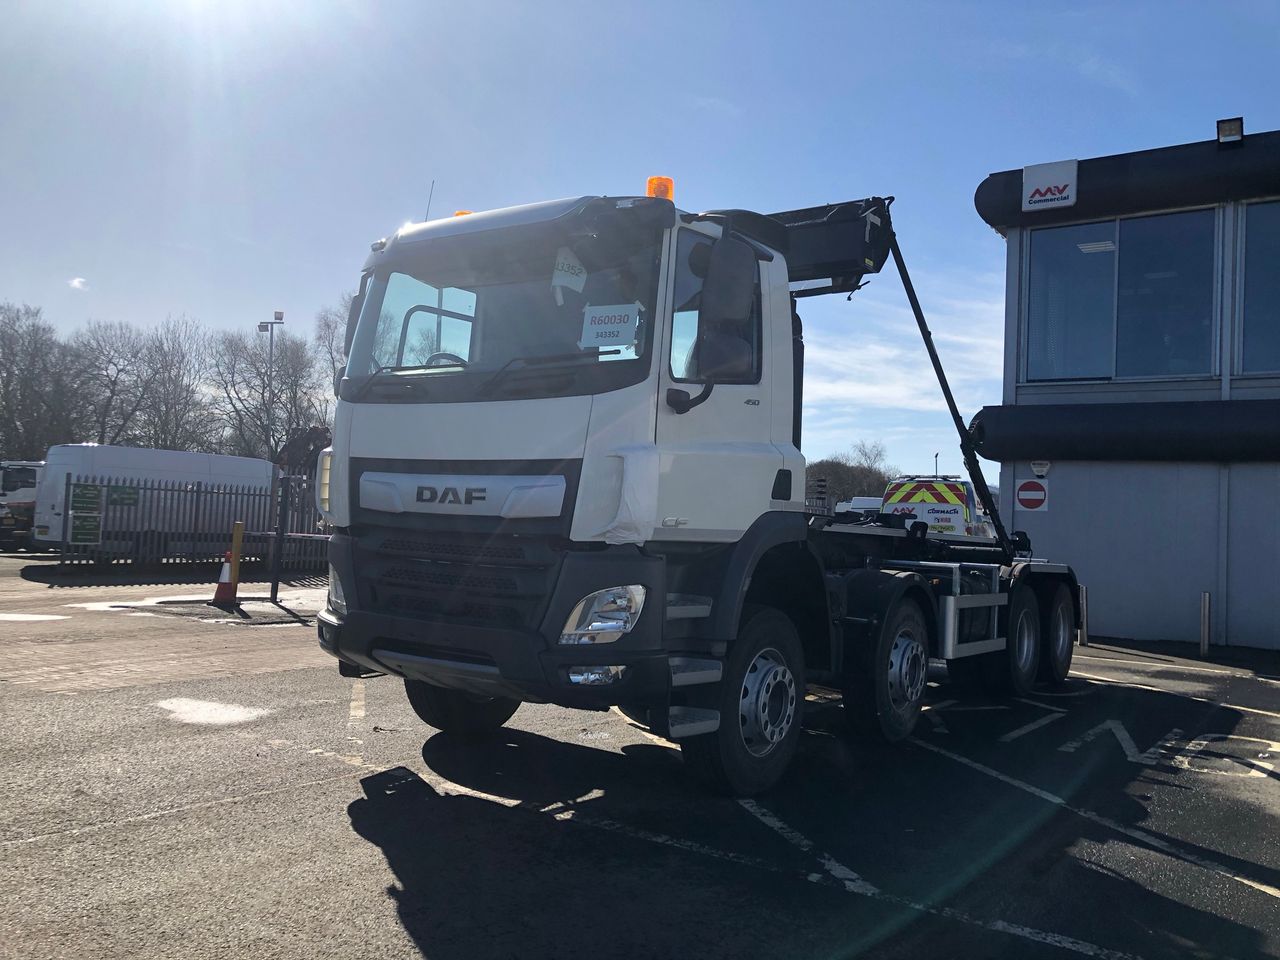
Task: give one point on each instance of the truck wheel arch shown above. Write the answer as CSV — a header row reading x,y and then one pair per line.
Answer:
x,y
871,594
788,578
769,531
1044,582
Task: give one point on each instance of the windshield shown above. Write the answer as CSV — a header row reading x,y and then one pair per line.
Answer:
x,y
16,478
554,309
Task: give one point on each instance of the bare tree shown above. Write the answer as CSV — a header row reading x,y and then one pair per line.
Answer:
x,y
178,412
238,376
861,471
116,377
330,337
38,385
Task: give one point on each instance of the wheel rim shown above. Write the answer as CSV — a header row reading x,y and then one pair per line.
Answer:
x,y
908,670
1061,633
767,707
1025,643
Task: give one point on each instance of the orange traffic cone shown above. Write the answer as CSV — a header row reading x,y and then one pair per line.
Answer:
x,y
225,594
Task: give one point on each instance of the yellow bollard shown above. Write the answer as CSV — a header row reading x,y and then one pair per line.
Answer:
x,y
237,540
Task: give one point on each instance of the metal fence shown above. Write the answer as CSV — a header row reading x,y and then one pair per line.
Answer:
x,y
113,520
304,532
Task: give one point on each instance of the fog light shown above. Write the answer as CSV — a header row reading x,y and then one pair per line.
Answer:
x,y
595,676
337,602
604,616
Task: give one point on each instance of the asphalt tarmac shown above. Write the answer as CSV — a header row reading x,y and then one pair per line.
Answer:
x,y
182,783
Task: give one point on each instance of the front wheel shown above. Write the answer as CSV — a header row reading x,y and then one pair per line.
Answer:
x,y
885,692
456,712
761,700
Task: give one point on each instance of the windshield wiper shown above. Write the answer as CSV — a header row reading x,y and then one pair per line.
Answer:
x,y
498,374
364,388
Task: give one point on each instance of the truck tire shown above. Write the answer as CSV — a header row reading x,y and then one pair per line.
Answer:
x,y
1012,671
1057,636
884,693
761,702
453,711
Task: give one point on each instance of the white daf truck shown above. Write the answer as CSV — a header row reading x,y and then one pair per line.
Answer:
x,y
566,468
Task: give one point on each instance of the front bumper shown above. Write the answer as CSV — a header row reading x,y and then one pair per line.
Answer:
x,y
524,662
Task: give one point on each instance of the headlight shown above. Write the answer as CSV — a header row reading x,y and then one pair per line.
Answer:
x,y
322,479
605,615
337,602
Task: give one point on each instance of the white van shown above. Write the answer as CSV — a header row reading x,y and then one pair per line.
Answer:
x,y
947,504
127,465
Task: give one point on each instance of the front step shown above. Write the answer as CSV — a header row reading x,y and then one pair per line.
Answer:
x,y
692,671
687,606
691,721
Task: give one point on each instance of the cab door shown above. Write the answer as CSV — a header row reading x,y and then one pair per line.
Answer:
x,y
718,466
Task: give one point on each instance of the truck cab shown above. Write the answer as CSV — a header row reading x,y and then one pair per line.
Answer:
x,y
566,468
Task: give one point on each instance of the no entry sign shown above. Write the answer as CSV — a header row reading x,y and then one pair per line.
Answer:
x,y
1032,495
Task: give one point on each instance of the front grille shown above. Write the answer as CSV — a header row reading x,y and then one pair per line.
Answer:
x,y
485,580
454,552
431,576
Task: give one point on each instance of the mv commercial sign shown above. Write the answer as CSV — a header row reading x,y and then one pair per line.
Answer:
x,y
1047,185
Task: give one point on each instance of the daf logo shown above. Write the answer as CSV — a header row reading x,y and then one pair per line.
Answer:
x,y
451,495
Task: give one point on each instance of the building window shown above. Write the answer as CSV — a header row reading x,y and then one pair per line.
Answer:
x,y
1164,302
1122,299
1260,342
1071,300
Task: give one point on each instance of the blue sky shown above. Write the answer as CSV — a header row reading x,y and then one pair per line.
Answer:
x,y
227,158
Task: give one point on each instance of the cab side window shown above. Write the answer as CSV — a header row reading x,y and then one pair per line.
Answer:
x,y
693,341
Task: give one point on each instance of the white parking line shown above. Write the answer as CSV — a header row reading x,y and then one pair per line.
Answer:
x,y
1141,836
1143,665
1175,693
1037,703
1032,726
355,714
170,811
853,883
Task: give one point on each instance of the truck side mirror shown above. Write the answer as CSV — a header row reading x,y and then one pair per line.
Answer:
x,y
729,289
353,315
725,352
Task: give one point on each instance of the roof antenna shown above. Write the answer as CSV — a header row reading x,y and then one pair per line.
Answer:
x,y
429,196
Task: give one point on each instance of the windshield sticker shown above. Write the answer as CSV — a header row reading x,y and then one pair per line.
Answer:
x,y
613,325
569,272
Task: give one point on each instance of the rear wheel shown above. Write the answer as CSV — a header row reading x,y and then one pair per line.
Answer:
x,y
760,699
884,695
1012,671
456,712
1057,636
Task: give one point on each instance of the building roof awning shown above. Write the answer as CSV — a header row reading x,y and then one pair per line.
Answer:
x,y
1230,431
1187,175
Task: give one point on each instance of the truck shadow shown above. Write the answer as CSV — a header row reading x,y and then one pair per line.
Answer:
x,y
580,851
108,574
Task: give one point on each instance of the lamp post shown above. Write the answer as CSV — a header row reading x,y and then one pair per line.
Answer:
x,y
269,328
